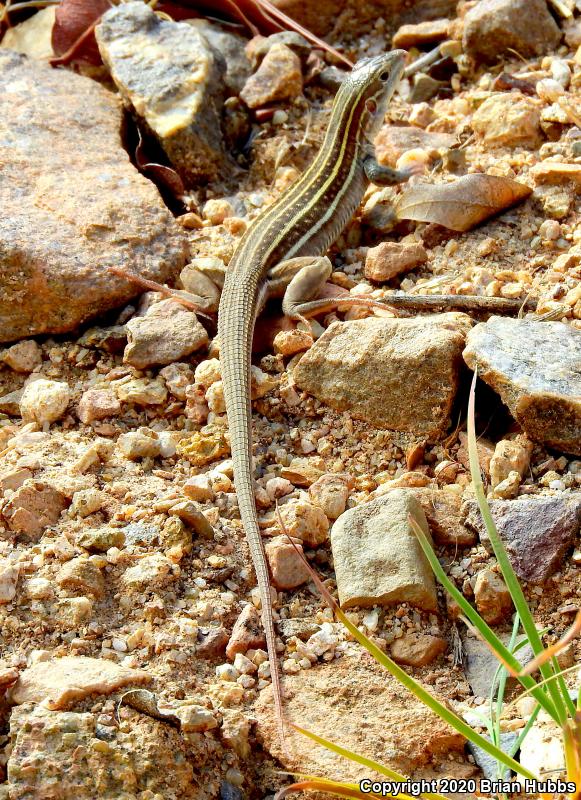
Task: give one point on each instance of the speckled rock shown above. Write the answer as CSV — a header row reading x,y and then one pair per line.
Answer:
x,y
204,446
247,632
389,259
231,46
371,367
151,572
72,203
480,664
443,512
378,559
286,566
23,356
142,391
492,28
171,77
394,140
537,531
330,492
305,521
9,573
57,755
142,443
510,455
536,369
82,576
97,404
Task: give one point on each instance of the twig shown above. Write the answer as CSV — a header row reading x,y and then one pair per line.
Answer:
x,y
422,62
478,303
153,286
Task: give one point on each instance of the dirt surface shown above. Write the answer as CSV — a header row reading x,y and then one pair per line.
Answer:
x,y
99,557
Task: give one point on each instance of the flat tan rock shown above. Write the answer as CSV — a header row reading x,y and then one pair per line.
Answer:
x,y
61,681
427,32
72,203
372,367
395,140
357,704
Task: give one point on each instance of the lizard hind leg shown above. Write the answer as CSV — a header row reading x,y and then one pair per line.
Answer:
x,y
297,281
305,285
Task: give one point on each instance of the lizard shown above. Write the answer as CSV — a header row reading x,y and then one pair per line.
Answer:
x,y
282,254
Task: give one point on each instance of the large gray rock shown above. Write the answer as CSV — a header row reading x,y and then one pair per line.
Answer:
x,y
372,367
536,369
72,204
493,27
378,559
537,531
171,77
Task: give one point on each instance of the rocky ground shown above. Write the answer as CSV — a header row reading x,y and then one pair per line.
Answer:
x,y
133,664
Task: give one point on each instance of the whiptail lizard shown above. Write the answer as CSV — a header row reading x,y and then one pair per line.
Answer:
x,y
281,253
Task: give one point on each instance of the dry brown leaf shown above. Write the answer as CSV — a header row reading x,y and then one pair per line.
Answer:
x,y
72,35
463,204
163,175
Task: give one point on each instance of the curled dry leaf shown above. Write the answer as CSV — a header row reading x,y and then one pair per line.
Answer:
x,y
164,176
463,204
72,34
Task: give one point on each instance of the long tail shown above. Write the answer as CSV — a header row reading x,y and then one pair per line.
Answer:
x,y
235,328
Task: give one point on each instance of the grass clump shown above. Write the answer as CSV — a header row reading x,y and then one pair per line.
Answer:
x,y
549,691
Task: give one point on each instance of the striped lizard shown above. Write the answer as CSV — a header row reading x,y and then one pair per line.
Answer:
x,y
281,253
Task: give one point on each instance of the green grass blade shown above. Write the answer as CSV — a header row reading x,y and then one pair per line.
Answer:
x,y
497,704
522,735
508,573
481,626
364,762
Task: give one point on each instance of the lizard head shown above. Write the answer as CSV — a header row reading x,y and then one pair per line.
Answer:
x,y
369,87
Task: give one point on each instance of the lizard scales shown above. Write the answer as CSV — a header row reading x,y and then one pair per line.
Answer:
x,y
303,221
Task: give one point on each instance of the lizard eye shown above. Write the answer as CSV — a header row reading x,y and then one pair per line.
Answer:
x,y
384,76
371,106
